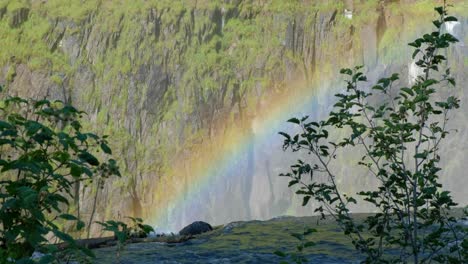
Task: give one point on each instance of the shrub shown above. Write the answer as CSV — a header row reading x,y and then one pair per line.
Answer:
x,y
399,137
43,154
122,232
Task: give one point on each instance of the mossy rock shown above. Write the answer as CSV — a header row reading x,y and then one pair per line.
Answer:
x,y
18,16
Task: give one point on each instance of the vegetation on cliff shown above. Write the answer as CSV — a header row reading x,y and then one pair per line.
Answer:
x,y
162,77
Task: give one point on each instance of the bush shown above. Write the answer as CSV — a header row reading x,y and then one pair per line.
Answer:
x,y
43,154
400,140
123,232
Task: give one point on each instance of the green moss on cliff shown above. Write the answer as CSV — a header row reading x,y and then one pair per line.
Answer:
x,y
163,72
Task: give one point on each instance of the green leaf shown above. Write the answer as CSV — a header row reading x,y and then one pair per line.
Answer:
x,y
121,236
346,71
298,236
80,225
61,156
146,228
421,155
309,244
32,127
75,170
41,103
451,81
305,200
87,252
294,120
76,125
436,23
293,182
285,135
310,231
450,18
87,157
378,87
68,217
408,91
415,44
106,149
280,253
429,82
63,236
5,125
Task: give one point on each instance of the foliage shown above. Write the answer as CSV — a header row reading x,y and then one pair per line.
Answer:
x,y
122,232
43,154
138,229
297,257
399,133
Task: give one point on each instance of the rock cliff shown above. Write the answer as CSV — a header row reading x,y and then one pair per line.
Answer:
x,y
169,81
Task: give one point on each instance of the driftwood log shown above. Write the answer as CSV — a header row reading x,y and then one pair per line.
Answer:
x,y
99,242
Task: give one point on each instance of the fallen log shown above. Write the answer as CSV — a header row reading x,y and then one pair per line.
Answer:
x,y
99,242
90,243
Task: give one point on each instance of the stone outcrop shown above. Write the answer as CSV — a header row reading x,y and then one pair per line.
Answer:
x,y
196,228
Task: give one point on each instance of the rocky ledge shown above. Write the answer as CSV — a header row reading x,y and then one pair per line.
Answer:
x,y
242,242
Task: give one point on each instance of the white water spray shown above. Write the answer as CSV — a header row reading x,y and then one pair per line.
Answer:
x,y
348,14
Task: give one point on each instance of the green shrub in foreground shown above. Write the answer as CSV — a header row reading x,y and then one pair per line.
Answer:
x,y
43,155
399,138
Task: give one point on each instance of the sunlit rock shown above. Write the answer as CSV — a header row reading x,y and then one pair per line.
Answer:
x,y
348,14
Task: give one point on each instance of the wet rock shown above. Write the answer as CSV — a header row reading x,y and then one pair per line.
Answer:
x,y
37,255
196,228
228,228
248,242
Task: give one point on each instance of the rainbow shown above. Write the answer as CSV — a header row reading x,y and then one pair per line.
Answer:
x,y
176,195
220,156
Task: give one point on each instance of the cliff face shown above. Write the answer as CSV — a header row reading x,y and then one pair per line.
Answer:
x,y
167,79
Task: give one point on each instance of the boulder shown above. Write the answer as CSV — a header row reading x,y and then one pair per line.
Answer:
x,y
195,228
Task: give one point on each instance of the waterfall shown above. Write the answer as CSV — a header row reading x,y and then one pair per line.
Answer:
x,y
451,26
413,72
348,14
223,17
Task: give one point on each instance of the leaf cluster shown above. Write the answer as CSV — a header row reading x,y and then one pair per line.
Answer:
x,y
43,153
123,232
